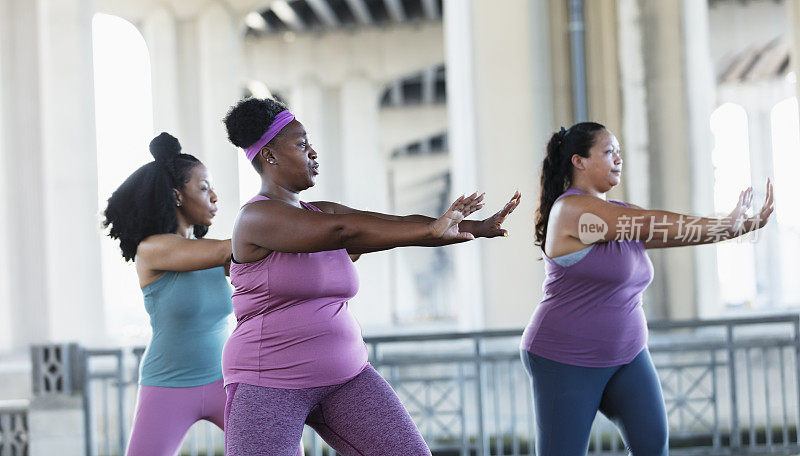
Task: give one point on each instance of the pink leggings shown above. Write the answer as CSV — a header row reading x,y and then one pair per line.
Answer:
x,y
164,416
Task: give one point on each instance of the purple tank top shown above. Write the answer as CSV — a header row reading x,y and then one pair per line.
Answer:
x,y
294,327
591,313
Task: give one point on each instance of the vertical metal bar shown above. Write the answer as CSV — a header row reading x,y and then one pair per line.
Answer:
x,y
679,391
88,413
483,442
106,417
512,398
796,342
736,438
784,415
749,370
577,52
121,403
498,426
462,393
531,416
716,439
764,367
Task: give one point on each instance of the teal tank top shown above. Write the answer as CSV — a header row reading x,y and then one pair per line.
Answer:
x,y
188,314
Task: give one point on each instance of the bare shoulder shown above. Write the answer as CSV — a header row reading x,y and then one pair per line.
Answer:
x,y
157,244
326,206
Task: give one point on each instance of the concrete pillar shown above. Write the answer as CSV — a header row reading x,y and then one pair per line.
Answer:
x,y
462,136
500,278
25,309
159,29
365,186
767,251
5,269
308,105
679,84
633,135
793,22
604,97
219,84
561,73
70,172
700,95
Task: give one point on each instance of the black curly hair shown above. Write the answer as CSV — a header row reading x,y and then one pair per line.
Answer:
x,y
557,169
248,119
144,204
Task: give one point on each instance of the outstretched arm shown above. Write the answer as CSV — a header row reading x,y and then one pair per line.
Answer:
x,y
592,220
487,228
276,226
172,252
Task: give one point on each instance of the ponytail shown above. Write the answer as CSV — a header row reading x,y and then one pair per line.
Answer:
x,y
557,167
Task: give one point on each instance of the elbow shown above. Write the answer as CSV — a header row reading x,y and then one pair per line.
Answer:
x,y
344,236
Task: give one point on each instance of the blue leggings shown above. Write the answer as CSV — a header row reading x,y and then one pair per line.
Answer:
x,y
567,398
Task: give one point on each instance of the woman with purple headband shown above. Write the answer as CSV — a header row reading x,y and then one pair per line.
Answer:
x,y
585,347
296,356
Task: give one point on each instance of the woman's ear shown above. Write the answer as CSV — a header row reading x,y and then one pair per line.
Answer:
x,y
177,195
267,154
577,162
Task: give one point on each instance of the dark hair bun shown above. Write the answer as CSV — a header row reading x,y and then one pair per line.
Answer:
x,y
247,121
165,147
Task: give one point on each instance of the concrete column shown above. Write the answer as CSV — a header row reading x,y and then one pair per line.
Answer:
x,y
499,153
219,84
463,138
70,172
5,267
561,74
767,251
633,135
679,83
308,105
365,186
604,97
700,96
159,29
25,310
793,21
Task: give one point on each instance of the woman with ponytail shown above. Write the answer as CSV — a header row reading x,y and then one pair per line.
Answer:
x,y
160,215
585,347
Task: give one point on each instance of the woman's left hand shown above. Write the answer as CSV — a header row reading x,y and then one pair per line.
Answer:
x,y
493,226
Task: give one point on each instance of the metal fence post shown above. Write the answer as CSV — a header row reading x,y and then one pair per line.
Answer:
x,y
736,437
483,439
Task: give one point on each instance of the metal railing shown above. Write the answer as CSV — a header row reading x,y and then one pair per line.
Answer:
x,y
14,434
730,387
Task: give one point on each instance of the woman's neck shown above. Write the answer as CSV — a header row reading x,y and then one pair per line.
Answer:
x,y
185,229
587,188
276,192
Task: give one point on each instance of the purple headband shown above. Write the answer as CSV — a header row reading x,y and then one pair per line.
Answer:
x,y
283,118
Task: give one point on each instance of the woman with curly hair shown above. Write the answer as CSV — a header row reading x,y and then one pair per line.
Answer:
x,y
296,355
585,347
160,215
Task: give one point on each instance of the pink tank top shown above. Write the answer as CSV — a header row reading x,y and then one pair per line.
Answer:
x,y
294,327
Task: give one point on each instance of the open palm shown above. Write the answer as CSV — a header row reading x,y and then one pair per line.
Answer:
x,y
446,226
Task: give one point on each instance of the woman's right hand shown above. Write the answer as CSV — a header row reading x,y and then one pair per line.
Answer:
x,y
446,226
759,220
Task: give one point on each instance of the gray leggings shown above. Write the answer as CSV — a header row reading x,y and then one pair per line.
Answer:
x,y
362,417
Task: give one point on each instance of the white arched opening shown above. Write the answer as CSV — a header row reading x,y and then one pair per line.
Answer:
x,y
785,126
123,104
731,160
